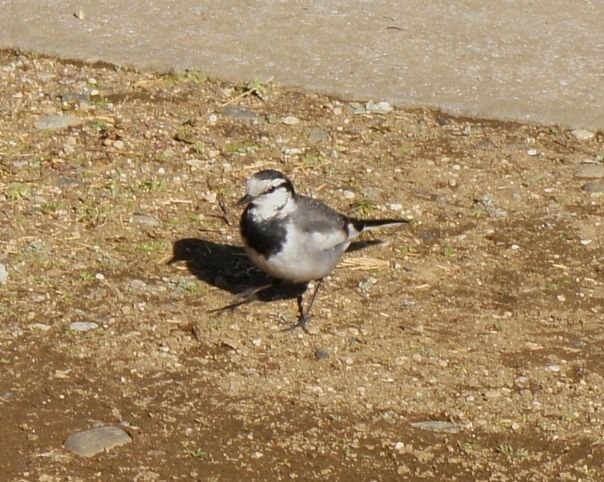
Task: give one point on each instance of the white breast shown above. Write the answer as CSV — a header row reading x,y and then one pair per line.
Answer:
x,y
303,256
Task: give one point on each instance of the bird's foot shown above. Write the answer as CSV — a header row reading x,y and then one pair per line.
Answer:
x,y
302,323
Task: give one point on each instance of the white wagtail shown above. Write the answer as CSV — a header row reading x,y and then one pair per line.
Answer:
x,y
293,237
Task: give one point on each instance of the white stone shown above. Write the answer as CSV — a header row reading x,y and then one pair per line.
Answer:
x,y
290,120
83,326
583,135
52,122
378,108
3,274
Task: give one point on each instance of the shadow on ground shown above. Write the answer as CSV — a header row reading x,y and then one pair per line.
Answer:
x,y
227,267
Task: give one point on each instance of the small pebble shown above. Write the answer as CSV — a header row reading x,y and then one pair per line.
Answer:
x,y
532,152
80,15
77,98
3,274
322,353
194,163
553,368
58,122
6,396
583,135
40,326
37,245
146,220
437,426
137,286
210,197
83,326
317,135
292,151
585,242
492,394
290,120
485,201
236,112
368,283
356,108
588,171
96,440
593,187
378,108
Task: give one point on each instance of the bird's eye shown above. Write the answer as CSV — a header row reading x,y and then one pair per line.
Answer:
x,y
273,188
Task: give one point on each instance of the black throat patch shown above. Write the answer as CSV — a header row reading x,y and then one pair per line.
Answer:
x,y
265,237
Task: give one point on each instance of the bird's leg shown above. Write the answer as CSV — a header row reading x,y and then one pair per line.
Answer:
x,y
245,296
305,314
250,293
300,300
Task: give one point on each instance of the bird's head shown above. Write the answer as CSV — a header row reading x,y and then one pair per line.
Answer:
x,y
268,190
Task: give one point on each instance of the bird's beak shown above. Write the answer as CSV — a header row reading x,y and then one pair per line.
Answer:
x,y
245,200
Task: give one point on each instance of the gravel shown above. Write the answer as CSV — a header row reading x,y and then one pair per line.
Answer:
x,y
204,390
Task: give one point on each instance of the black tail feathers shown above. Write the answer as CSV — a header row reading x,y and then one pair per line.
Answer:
x,y
361,225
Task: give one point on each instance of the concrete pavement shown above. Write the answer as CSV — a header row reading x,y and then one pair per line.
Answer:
x,y
539,61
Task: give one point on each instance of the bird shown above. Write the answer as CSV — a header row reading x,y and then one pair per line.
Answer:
x,y
295,238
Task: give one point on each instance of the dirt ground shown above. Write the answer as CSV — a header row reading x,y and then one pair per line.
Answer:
x,y
486,314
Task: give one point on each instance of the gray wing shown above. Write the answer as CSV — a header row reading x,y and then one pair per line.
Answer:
x,y
323,226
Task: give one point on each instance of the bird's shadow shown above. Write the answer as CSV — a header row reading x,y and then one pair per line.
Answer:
x,y
227,267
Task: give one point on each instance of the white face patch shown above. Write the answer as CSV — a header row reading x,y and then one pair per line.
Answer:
x,y
272,204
